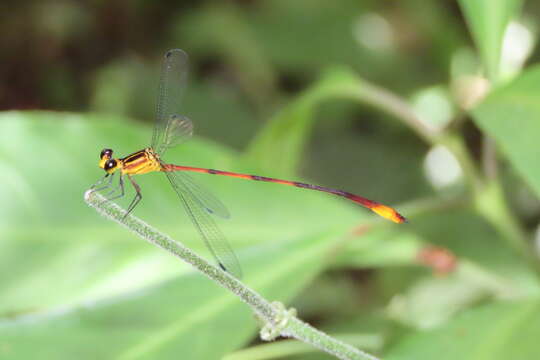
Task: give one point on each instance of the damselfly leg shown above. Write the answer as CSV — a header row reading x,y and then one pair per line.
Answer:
x,y
136,199
118,191
99,185
109,196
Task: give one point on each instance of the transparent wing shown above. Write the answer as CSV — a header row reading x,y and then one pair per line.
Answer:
x,y
181,181
212,236
177,130
170,128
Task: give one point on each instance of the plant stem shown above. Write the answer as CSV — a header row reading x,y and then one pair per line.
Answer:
x,y
294,327
288,348
394,105
487,194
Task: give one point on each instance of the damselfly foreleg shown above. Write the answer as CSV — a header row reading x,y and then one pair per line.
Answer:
x,y
114,190
99,185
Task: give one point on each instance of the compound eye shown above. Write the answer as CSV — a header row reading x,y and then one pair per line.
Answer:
x,y
110,164
105,153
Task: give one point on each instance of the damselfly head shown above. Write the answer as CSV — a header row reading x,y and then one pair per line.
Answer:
x,y
110,166
105,153
104,156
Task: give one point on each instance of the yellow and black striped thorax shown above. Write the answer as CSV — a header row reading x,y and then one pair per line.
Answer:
x,y
140,162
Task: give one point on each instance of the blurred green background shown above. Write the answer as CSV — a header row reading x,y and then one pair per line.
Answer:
x,y
429,106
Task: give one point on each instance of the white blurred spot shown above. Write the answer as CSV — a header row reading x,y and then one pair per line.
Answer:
x,y
469,90
517,45
468,86
374,32
433,107
441,167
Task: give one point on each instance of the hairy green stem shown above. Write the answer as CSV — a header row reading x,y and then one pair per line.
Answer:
x,y
394,105
287,348
293,327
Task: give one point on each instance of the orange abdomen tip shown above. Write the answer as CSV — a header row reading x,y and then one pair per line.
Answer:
x,y
388,213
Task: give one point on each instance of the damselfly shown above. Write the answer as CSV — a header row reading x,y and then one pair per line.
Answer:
x,y
171,129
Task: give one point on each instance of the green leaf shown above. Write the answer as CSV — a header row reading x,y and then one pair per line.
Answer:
x,y
487,20
495,332
186,315
280,144
71,280
510,115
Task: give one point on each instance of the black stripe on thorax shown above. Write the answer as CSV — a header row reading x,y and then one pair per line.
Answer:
x,y
134,156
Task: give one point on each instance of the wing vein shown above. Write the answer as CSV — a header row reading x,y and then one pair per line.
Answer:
x,y
207,228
